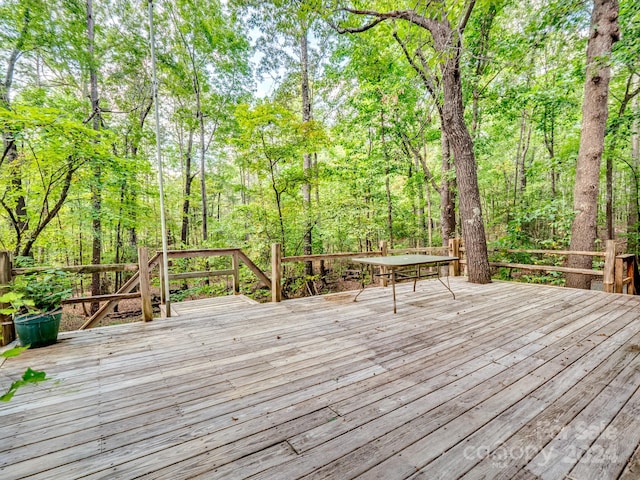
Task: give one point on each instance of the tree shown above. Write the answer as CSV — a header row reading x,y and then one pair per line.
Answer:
x,y
20,37
291,21
96,187
604,33
447,44
271,138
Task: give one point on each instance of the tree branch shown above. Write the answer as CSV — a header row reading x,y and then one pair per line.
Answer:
x,y
408,15
465,18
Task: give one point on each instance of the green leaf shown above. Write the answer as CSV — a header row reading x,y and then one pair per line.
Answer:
x,y
13,352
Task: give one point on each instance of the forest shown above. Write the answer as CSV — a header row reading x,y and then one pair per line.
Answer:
x,y
322,126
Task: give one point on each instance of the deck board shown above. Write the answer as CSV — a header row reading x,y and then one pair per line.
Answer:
x,y
506,381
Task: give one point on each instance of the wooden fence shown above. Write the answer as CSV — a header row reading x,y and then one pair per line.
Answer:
x,y
138,286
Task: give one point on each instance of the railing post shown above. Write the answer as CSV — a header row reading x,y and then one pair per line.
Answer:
x,y
608,281
276,272
384,251
145,291
235,262
454,251
8,329
619,275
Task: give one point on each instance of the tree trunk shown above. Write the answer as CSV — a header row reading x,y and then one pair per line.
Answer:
x,y
548,126
96,195
520,181
203,183
466,173
609,197
633,225
604,32
188,180
447,194
18,211
387,172
306,158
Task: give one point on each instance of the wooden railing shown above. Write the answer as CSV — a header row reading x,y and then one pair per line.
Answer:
x,y
618,270
617,273
139,281
277,260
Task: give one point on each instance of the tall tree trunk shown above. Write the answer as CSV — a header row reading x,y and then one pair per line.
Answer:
x,y
609,197
604,32
548,126
387,173
633,219
306,158
447,194
188,180
447,43
203,183
520,182
18,211
466,173
96,195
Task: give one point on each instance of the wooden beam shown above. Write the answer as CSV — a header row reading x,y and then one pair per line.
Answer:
x,y
454,251
81,269
619,274
211,273
235,268
546,268
6,321
130,284
145,289
329,256
101,298
547,252
203,252
608,283
276,272
255,269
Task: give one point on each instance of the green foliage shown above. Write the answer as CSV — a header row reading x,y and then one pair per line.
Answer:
x,y
30,377
40,292
520,60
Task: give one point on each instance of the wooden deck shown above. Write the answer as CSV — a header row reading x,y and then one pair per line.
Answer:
x,y
211,306
506,381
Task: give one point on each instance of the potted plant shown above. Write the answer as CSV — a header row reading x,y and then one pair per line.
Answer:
x,y
36,306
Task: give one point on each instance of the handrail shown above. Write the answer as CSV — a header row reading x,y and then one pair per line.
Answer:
x,y
129,285
155,261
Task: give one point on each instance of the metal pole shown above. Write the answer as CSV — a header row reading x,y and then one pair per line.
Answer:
x,y
163,221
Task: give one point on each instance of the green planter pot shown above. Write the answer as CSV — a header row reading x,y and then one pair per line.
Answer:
x,y
38,330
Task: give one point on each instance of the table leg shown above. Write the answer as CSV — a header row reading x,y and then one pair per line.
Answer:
x,y
361,288
393,288
447,284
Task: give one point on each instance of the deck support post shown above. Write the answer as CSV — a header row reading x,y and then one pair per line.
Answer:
x,y
608,281
235,262
8,329
276,272
619,275
454,251
384,251
145,291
